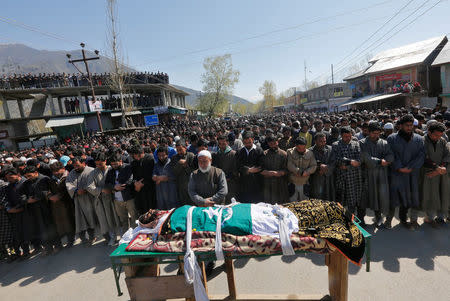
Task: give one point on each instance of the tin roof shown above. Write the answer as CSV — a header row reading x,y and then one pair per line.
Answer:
x,y
404,56
443,57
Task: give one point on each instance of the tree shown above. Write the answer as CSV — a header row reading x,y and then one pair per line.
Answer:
x,y
311,85
117,74
218,82
269,92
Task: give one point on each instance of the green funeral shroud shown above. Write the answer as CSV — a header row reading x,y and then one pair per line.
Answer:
x,y
236,220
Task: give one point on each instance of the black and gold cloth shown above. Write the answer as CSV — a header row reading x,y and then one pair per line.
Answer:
x,y
330,221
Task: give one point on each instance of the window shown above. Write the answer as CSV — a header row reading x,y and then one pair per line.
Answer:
x,y
338,91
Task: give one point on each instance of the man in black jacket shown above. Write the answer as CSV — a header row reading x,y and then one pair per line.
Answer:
x,y
17,211
119,179
144,187
36,189
249,160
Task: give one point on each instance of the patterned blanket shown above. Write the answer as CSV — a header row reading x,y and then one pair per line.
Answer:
x,y
232,244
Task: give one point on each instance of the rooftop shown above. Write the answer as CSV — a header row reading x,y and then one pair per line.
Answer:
x,y
408,55
443,57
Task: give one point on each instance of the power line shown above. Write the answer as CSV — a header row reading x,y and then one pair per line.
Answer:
x,y
390,30
35,29
290,40
264,34
376,31
358,56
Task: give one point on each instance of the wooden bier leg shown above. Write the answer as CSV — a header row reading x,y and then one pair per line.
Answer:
x,y
205,278
337,276
229,268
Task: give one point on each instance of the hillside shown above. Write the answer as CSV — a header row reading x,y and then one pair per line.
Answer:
x,y
19,58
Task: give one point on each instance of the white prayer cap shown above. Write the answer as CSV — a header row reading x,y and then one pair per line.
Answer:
x,y
52,161
204,153
176,138
388,126
23,159
9,159
416,122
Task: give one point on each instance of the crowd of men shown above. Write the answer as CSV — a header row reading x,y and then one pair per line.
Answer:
x,y
55,80
72,104
378,160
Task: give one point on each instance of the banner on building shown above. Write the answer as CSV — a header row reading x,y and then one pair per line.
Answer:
x,y
95,105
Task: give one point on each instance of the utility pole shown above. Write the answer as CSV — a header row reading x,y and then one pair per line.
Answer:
x,y
332,74
306,82
85,60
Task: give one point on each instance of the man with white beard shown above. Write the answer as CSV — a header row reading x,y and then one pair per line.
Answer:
x,y
207,187
207,184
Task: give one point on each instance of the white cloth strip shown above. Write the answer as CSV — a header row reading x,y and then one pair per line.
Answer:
x,y
218,244
285,238
192,272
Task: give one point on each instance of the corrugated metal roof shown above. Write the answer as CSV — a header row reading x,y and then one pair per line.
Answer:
x,y
370,98
356,75
376,98
117,114
64,121
349,103
403,56
443,57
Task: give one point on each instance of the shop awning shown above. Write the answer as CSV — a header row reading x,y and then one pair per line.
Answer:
x,y
349,103
370,98
131,113
381,97
64,121
177,110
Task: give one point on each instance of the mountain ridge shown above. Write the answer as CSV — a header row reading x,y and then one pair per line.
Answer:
x,y
19,58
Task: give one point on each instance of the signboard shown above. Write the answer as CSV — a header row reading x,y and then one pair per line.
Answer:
x,y
151,120
303,100
337,94
95,106
4,134
403,75
161,110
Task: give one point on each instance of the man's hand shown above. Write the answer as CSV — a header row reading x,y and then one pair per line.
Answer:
x,y
280,173
208,203
138,185
15,210
119,187
183,162
81,191
355,163
163,178
305,174
432,174
405,170
54,198
442,170
384,162
343,167
323,169
269,173
254,169
31,200
104,190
